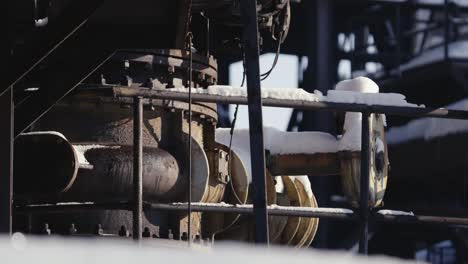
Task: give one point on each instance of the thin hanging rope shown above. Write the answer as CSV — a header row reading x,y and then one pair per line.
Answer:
x,y
189,207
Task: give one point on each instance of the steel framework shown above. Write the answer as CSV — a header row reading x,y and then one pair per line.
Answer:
x,y
254,100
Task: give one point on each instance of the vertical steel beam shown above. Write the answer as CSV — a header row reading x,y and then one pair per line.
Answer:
x,y
6,129
257,150
6,161
447,28
137,168
364,184
319,37
321,70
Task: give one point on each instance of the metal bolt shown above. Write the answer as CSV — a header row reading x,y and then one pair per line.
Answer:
x,y
98,230
156,232
149,83
46,229
146,232
72,230
103,79
123,232
184,236
201,76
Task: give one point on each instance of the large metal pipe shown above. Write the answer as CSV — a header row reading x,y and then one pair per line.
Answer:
x,y
107,177
318,164
41,173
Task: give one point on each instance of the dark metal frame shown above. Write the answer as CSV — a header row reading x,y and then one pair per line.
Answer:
x,y
6,157
254,100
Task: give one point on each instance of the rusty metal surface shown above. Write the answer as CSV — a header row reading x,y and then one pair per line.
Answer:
x,y
157,68
351,167
110,179
319,164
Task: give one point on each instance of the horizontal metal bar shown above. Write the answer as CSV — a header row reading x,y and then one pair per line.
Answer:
x,y
442,220
397,217
335,213
305,105
71,207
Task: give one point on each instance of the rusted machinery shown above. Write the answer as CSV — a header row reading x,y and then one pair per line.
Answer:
x,y
81,150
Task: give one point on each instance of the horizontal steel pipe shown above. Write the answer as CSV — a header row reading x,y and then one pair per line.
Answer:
x,y
334,213
305,105
318,164
442,220
71,207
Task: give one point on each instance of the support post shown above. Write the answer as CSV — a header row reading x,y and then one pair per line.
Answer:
x,y
137,167
6,160
447,28
257,150
364,184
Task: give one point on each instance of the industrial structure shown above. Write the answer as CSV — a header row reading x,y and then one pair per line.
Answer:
x,y
110,112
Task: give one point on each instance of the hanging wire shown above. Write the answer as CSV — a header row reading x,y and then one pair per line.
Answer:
x,y
189,189
278,51
188,42
231,132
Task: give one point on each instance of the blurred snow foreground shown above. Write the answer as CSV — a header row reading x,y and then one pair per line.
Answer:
x,y
21,249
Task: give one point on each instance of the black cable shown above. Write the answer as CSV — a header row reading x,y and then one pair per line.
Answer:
x,y
189,188
278,51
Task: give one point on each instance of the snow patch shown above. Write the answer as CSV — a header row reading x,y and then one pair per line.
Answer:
x,y
360,90
277,142
395,213
456,50
279,186
379,145
273,93
356,97
429,128
305,182
41,22
82,149
351,138
56,250
360,84
55,133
